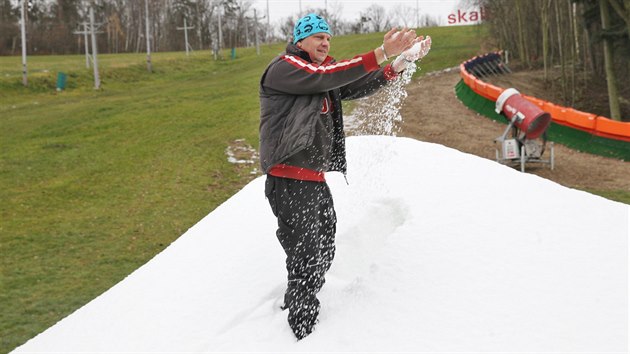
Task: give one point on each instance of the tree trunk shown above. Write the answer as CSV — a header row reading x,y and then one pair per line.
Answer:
x,y
545,36
613,96
198,27
571,8
576,32
521,40
622,11
561,52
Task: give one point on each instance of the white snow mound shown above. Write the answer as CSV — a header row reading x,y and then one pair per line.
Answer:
x,y
437,251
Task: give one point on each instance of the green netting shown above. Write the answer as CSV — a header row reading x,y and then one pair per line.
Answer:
x,y
573,138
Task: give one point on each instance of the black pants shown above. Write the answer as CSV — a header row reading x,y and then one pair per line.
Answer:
x,y
306,231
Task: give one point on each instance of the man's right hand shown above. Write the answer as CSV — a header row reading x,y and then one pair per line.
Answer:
x,y
395,41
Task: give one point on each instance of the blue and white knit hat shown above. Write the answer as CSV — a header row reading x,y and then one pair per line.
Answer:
x,y
309,25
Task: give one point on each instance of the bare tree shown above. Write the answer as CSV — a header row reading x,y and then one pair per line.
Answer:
x,y
587,37
613,95
286,27
376,18
522,48
545,6
427,20
9,32
403,15
623,10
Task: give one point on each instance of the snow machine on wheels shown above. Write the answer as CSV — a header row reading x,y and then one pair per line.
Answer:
x,y
525,139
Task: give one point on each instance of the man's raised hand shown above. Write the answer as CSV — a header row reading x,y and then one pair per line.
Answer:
x,y
395,42
418,50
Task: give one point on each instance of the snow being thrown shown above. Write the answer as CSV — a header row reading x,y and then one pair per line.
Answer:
x,y
380,114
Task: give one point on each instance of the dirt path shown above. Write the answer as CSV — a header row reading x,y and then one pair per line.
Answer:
x,y
433,113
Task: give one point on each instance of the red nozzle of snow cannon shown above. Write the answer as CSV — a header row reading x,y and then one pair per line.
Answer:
x,y
526,116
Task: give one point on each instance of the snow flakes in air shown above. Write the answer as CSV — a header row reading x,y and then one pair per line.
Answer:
x,y
379,114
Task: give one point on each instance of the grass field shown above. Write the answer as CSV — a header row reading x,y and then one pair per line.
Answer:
x,y
96,183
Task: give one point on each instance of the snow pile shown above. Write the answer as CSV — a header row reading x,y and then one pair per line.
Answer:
x,y
437,251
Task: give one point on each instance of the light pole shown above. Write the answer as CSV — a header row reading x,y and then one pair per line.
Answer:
x,y
146,10
417,15
220,32
268,23
85,33
97,79
256,32
185,29
23,26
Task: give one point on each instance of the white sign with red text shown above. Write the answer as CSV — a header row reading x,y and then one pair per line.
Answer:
x,y
466,17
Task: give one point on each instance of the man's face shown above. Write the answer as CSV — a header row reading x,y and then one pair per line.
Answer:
x,y
317,46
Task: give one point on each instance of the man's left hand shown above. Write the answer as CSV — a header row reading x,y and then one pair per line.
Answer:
x,y
420,48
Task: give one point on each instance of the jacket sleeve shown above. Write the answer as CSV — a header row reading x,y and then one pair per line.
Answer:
x,y
293,75
368,84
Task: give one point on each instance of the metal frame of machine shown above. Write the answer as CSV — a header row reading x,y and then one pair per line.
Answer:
x,y
527,125
517,149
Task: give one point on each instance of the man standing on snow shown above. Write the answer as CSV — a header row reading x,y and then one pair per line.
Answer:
x,y
302,136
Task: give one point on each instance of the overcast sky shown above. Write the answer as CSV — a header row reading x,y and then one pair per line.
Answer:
x,y
350,9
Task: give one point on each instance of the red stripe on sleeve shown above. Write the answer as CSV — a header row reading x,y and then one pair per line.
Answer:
x,y
326,68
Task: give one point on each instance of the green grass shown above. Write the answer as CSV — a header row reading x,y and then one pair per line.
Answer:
x,y
96,183
621,196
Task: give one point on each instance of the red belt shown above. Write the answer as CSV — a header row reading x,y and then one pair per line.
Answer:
x,y
299,173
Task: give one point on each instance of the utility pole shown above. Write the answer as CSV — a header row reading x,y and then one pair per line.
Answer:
x,y
268,23
417,15
256,32
97,79
92,30
300,7
244,19
185,28
220,32
23,27
148,35
87,48
85,39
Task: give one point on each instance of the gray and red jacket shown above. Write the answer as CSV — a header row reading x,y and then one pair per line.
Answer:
x,y
296,96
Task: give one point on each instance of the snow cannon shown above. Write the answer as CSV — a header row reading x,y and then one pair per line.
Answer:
x,y
528,125
528,117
